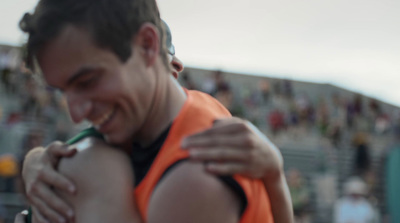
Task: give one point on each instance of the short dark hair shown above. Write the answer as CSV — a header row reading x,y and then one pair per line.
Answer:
x,y
112,23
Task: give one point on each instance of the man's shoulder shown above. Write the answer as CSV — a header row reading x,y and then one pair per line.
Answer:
x,y
192,173
189,182
94,157
103,178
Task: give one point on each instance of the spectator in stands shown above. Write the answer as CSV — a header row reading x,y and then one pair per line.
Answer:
x,y
276,121
3,59
293,115
277,88
225,96
362,159
358,105
221,83
350,115
300,194
355,113
6,79
264,91
354,207
374,107
13,118
323,117
302,103
338,109
334,133
287,89
382,123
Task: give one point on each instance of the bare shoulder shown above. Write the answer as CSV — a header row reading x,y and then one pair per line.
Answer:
x,y
103,177
95,164
93,148
189,194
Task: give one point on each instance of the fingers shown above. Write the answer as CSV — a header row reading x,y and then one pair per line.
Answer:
x,y
54,201
41,209
57,150
228,120
225,132
225,126
220,155
37,217
53,178
46,201
226,168
234,146
238,140
61,151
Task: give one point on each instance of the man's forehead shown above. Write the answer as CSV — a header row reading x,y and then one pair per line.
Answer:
x,y
65,54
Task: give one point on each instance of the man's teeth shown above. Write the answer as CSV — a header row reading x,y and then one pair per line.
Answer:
x,y
103,118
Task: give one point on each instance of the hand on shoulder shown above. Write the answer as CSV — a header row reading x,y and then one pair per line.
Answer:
x,y
235,146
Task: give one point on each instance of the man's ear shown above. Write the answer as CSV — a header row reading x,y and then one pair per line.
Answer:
x,y
148,40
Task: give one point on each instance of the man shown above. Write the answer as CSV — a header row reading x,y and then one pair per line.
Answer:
x,y
354,206
83,73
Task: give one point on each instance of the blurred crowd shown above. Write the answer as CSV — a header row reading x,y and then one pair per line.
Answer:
x,y
344,120
282,109
32,114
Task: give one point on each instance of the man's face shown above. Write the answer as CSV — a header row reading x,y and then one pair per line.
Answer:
x,y
114,96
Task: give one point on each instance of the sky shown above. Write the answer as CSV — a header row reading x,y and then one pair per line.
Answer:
x,y
353,44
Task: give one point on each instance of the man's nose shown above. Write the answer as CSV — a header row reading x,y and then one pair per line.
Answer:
x,y
78,106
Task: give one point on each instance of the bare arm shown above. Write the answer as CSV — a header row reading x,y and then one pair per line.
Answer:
x,y
189,194
235,146
104,182
279,194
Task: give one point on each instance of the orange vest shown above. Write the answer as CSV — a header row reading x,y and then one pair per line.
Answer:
x,y
197,114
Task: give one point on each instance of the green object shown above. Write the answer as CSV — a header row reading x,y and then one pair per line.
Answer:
x,y
29,217
90,132
393,184
83,134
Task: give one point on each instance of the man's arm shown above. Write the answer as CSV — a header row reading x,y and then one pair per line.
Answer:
x,y
235,146
281,202
104,182
189,194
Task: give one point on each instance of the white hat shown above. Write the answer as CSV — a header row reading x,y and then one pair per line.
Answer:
x,y
355,185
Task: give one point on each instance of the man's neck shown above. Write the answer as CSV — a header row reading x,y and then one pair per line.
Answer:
x,y
167,103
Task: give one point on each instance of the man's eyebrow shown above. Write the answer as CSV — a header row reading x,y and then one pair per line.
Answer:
x,y
81,72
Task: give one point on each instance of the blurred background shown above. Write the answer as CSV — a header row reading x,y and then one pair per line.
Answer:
x,y
319,78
